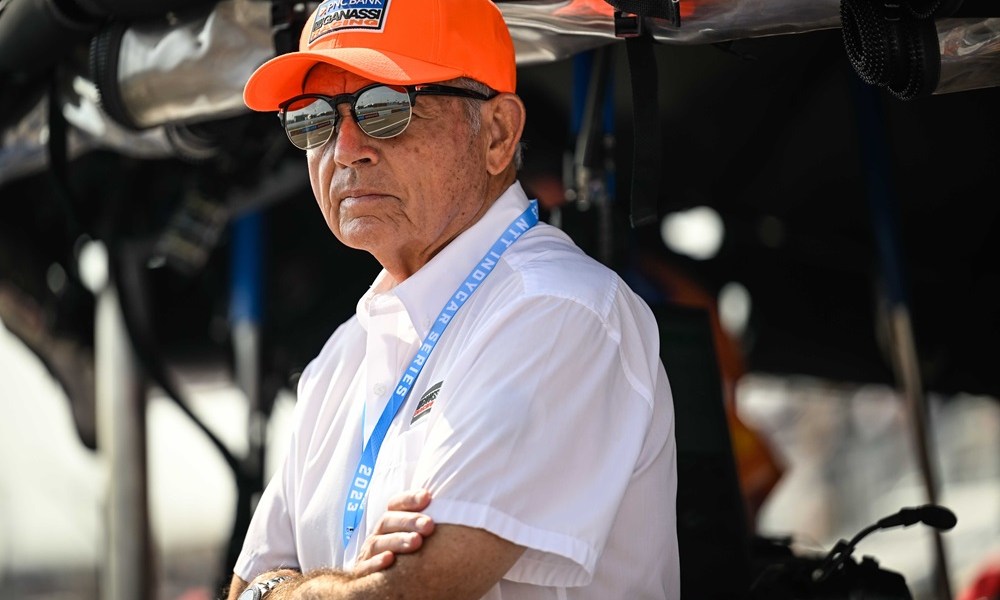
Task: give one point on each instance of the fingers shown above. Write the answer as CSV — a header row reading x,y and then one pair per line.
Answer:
x,y
410,500
400,530
374,564
403,516
395,521
379,551
397,543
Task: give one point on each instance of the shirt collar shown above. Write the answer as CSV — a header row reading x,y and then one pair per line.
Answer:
x,y
424,293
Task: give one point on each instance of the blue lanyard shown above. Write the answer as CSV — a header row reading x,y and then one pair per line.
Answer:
x,y
356,497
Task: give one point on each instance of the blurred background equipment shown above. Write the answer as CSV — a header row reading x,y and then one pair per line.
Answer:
x,y
837,575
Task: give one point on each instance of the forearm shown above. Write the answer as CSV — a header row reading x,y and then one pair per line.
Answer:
x,y
401,530
327,584
457,562
323,584
337,585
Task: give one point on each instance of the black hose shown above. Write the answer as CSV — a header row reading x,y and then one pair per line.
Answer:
x,y
128,266
36,34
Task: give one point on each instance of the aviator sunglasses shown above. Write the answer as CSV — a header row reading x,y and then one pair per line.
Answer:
x,y
381,111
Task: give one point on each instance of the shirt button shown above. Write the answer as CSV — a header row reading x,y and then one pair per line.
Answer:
x,y
379,389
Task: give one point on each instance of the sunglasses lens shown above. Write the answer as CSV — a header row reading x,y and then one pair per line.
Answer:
x,y
383,111
309,122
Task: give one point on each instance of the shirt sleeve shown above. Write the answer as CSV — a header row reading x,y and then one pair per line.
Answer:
x,y
542,424
269,543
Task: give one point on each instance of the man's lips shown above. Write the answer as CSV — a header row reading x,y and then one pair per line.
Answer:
x,y
363,197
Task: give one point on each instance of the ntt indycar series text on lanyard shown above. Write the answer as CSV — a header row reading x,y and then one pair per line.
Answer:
x,y
358,494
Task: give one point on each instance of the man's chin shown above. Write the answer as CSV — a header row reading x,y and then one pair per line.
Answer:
x,y
364,233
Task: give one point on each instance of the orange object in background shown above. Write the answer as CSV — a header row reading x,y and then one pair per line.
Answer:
x,y
757,465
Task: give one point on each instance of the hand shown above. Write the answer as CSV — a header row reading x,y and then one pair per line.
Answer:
x,y
400,530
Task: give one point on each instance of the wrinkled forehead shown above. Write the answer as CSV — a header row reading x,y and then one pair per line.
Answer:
x,y
328,79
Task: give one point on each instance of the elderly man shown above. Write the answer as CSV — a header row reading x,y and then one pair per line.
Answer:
x,y
493,367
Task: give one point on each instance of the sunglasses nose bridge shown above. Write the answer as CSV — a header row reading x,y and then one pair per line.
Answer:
x,y
337,116
344,106
345,116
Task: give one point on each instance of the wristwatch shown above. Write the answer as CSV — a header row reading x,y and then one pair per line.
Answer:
x,y
259,590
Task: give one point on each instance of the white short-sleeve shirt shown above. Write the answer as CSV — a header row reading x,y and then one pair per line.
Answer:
x,y
543,416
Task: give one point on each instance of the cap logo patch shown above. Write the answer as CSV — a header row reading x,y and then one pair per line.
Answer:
x,y
348,15
426,402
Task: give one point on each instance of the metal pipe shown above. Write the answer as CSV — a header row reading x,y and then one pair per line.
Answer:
x,y
121,439
907,371
881,198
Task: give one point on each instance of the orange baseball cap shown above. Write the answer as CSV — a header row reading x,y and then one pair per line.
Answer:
x,y
400,42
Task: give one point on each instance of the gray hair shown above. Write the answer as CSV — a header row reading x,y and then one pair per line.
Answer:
x,y
475,117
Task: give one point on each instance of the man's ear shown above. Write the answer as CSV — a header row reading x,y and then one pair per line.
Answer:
x,y
503,122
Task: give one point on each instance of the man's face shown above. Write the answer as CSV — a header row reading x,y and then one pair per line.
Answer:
x,y
401,199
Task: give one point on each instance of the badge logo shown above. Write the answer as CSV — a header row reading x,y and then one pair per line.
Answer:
x,y
426,402
348,15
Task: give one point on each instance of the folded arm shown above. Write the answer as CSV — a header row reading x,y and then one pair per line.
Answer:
x,y
456,562
427,561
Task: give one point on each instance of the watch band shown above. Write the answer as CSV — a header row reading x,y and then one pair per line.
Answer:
x,y
258,590
269,584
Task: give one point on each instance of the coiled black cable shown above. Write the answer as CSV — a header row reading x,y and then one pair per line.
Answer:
x,y
892,45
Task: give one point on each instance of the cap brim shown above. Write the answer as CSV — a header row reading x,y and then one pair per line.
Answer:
x,y
282,77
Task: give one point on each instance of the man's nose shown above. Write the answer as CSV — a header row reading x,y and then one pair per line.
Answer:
x,y
351,146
